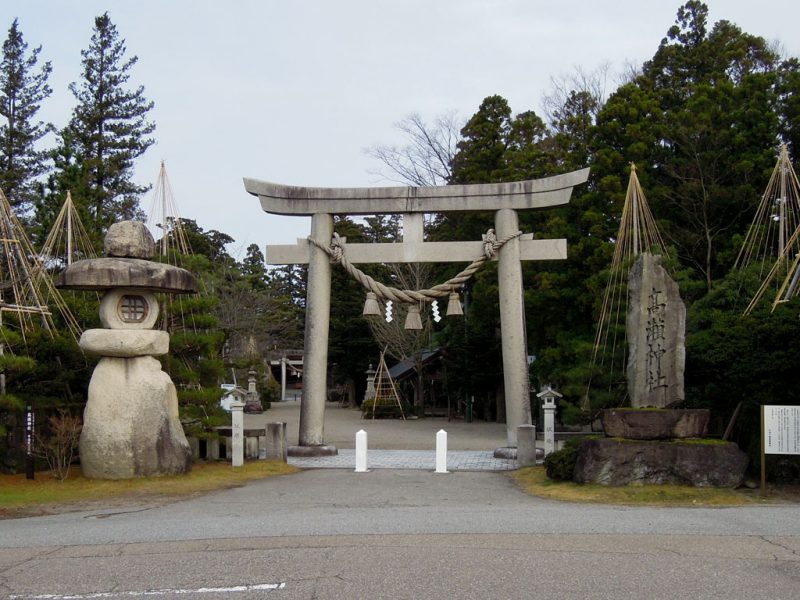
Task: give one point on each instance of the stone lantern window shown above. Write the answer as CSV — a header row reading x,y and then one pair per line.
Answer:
x,y
128,308
132,309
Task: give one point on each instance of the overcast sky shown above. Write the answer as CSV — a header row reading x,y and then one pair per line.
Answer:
x,y
294,91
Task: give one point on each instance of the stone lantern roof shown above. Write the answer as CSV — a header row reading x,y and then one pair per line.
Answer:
x,y
129,246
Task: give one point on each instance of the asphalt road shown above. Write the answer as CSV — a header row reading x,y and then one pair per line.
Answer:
x,y
400,534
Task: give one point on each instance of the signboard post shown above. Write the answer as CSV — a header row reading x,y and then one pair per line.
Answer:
x,y
29,440
780,434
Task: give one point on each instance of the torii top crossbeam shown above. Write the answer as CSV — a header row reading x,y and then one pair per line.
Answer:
x,y
518,195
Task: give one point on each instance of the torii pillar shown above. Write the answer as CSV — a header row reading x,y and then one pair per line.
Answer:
x,y
505,199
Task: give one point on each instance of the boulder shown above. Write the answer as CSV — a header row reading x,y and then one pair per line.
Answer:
x,y
698,463
129,239
655,424
130,424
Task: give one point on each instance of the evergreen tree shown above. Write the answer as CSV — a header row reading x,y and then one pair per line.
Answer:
x,y
108,130
752,359
254,269
23,88
572,130
481,152
787,87
702,121
559,295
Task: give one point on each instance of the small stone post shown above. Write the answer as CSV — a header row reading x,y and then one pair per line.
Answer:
x,y
194,444
526,445
276,441
212,449
361,451
237,433
441,451
548,396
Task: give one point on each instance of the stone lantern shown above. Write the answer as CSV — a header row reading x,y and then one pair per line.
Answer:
x,y
130,423
549,397
369,394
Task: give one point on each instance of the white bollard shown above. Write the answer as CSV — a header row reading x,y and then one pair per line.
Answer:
x,y
237,433
361,451
441,451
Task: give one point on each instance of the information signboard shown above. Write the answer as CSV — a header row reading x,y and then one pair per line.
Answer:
x,y
781,429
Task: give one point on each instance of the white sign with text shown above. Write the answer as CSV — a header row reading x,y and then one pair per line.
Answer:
x,y
782,429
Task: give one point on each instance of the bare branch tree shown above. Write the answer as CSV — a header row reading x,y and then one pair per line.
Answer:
x,y
401,343
630,71
426,157
592,82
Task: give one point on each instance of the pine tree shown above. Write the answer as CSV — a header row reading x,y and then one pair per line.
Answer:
x,y
109,129
23,88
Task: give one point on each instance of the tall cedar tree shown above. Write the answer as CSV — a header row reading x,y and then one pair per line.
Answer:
x,y
23,87
702,121
109,129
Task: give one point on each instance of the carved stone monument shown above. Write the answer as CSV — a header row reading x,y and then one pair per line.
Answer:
x,y
651,445
656,326
130,424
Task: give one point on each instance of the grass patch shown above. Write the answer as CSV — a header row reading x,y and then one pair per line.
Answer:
x,y
534,481
45,494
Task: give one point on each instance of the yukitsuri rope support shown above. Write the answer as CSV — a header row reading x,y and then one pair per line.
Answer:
x,y
336,251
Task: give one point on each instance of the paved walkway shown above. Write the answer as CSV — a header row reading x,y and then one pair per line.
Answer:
x,y
460,460
394,443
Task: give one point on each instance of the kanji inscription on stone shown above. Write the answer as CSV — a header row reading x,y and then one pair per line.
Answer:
x,y
656,323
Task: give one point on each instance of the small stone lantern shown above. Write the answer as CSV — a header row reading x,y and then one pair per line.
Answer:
x,y
252,402
369,394
130,423
549,396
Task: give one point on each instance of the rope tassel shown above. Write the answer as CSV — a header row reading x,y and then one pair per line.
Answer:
x,y
371,307
413,320
454,306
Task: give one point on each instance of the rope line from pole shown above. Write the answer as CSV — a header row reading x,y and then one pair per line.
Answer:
x,y
491,246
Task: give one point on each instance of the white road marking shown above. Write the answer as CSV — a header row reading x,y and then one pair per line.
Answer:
x,y
204,590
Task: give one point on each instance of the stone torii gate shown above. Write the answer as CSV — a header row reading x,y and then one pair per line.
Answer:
x,y
321,204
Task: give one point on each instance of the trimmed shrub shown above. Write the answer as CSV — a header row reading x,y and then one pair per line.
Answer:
x,y
560,465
